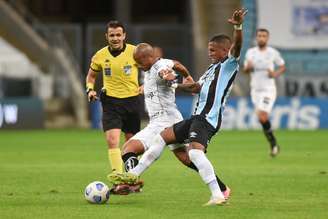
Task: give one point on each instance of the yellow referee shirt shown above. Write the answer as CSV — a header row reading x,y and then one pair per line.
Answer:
x,y
120,73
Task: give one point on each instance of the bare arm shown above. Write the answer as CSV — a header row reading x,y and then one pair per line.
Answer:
x,y
91,76
248,67
90,81
181,69
274,74
191,88
237,20
281,70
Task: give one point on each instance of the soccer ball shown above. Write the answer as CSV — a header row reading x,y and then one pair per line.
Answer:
x,y
96,192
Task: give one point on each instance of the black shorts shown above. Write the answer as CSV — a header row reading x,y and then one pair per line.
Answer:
x,y
121,113
195,129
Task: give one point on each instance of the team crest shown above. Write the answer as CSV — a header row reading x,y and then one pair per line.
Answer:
x,y
127,69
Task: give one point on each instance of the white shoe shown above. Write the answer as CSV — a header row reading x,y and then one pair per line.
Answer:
x,y
274,151
215,201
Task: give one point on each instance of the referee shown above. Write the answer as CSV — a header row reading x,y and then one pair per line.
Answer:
x,y
119,96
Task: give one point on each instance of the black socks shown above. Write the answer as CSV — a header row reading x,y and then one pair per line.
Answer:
x,y
269,133
130,161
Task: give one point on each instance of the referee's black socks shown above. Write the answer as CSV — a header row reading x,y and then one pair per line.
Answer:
x,y
269,133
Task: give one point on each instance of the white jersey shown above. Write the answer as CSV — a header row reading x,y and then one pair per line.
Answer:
x,y
263,60
159,97
160,104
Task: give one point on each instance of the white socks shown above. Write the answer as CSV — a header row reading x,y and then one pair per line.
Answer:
x,y
206,171
152,154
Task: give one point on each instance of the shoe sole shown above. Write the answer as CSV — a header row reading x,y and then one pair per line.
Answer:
x,y
221,203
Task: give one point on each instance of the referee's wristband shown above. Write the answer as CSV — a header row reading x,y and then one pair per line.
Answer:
x,y
238,26
90,86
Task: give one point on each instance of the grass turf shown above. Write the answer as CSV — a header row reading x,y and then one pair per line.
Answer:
x,y
43,175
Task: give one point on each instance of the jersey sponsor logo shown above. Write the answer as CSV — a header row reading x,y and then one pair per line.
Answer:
x,y
266,100
127,69
150,95
161,112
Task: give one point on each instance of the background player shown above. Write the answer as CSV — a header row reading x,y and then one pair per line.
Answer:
x,y
260,61
120,101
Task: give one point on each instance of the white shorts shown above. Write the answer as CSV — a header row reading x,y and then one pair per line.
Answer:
x,y
264,99
155,127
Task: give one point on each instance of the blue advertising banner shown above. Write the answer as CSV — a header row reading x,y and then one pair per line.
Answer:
x,y
288,113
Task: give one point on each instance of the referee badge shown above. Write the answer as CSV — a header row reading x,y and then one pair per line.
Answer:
x,y
108,71
127,69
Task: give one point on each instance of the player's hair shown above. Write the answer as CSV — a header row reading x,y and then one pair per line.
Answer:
x,y
115,24
262,30
221,38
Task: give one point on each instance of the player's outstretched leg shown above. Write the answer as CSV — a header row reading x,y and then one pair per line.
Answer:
x,y
132,177
182,155
225,189
206,172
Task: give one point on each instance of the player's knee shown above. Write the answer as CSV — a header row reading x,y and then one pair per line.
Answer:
x,y
194,155
263,117
168,135
128,136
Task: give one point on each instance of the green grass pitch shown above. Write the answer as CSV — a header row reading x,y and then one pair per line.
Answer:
x,y
43,175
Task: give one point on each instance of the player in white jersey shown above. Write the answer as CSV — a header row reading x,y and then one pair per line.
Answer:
x,y
264,64
162,111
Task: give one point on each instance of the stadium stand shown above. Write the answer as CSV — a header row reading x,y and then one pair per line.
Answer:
x,y
298,61
51,53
